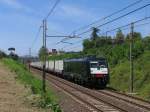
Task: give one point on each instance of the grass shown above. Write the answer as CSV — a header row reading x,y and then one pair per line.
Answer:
x,y
120,76
47,100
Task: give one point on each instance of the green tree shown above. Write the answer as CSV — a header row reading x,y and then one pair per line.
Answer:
x,y
42,53
138,49
94,34
146,42
119,37
87,44
136,36
2,54
102,41
109,40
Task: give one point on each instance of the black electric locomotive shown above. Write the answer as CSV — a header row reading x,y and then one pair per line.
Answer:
x,y
91,71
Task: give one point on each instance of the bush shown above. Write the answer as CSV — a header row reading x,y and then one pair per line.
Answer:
x,y
2,54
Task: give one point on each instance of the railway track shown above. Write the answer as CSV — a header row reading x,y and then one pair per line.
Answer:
x,y
103,101
92,105
89,102
127,98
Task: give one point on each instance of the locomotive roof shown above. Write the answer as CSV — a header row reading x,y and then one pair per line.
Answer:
x,y
84,59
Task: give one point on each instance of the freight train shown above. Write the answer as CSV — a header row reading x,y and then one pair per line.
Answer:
x,y
87,71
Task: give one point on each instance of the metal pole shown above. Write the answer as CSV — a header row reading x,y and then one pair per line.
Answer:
x,y
30,52
44,61
29,58
131,58
45,33
106,34
54,66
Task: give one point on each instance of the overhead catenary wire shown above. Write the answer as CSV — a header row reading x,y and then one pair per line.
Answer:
x,y
104,17
113,20
44,46
120,27
124,26
145,18
112,14
45,21
50,12
52,9
36,37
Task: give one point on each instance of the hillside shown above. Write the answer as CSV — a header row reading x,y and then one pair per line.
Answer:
x,y
120,76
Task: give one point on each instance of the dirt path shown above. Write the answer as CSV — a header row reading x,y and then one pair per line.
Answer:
x,y
12,94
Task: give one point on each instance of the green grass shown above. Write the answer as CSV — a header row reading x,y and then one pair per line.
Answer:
x,y
47,100
120,76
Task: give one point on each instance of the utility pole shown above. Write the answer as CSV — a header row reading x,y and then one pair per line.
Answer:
x,y
44,57
29,60
45,35
106,34
30,52
131,58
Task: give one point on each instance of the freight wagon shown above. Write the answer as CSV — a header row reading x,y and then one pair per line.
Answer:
x,y
87,71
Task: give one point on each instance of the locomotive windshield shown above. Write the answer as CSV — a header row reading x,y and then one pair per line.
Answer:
x,y
98,64
94,65
102,64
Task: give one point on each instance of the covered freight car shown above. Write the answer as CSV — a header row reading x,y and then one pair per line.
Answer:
x,y
55,66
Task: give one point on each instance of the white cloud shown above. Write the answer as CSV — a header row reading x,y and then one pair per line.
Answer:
x,y
72,11
15,4
12,3
76,11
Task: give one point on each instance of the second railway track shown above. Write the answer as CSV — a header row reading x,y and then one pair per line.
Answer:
x,y
127,98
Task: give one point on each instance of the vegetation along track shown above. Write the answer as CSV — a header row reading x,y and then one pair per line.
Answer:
x,y
105,100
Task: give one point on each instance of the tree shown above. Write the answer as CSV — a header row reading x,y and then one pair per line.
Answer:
x,y
138,49
87,44
2,54
11,49
146,41
42,53
119,37
108,40
94,35
12,53
136,36
13,56
102,41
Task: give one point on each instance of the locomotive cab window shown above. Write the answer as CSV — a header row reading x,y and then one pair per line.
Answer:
x,y
98,65
102,64
94,64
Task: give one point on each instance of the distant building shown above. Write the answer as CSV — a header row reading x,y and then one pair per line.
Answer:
x,y
53,51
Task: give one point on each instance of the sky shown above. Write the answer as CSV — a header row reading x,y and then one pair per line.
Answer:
x,y
21,19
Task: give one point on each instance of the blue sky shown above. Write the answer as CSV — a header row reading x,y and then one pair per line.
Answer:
x,y
20,20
